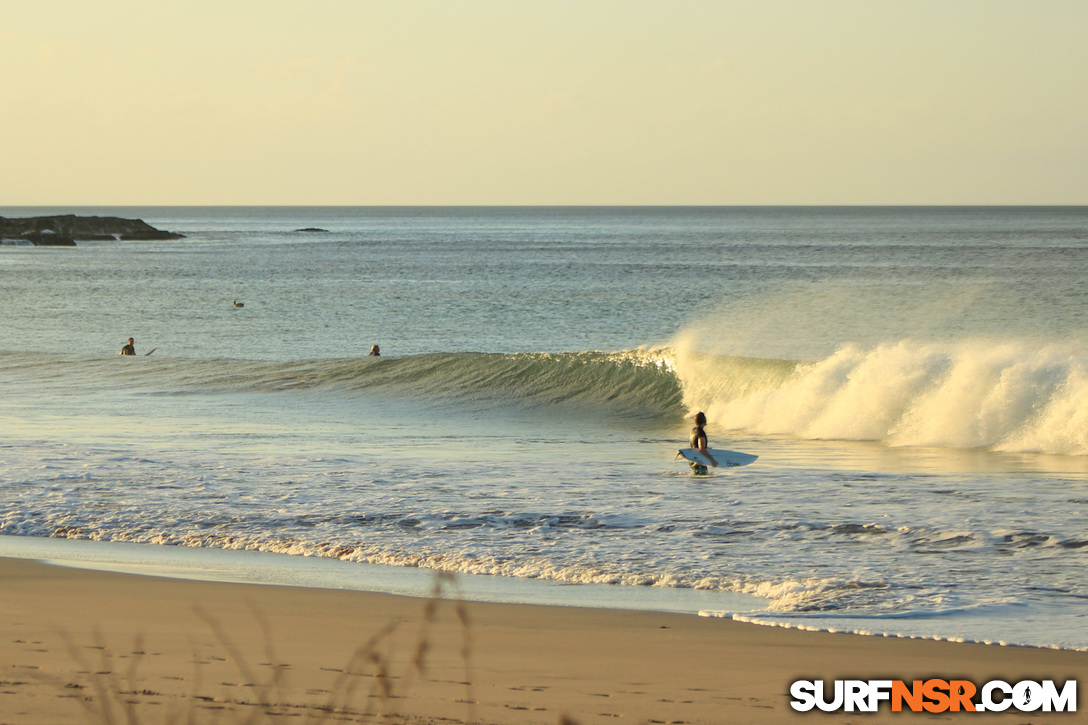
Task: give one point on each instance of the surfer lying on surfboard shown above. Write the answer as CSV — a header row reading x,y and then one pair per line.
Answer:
x,y
698,438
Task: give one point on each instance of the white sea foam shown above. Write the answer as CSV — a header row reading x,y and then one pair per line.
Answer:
x,y
1006,396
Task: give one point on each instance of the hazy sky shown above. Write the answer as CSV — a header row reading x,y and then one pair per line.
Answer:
x,y
548,102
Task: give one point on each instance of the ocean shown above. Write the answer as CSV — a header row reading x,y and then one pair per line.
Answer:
x,y
913,380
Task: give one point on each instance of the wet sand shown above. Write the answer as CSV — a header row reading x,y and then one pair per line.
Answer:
x,y
81,646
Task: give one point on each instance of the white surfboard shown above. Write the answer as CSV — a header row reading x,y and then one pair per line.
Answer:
x,y
725,459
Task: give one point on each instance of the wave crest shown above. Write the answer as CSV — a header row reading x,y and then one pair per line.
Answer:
x,y
634,383
1008,396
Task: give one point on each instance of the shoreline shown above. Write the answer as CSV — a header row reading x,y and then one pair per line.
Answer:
x,y
242,566
77,641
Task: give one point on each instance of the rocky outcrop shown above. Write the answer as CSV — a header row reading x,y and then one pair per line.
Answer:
x,y
48,239
68,229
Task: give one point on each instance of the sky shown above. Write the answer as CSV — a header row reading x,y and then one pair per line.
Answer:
x,y
544,102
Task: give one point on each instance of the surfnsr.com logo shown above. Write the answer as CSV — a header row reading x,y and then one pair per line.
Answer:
x,y
934,695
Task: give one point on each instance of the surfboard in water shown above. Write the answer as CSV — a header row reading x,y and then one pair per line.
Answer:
x,y
725,459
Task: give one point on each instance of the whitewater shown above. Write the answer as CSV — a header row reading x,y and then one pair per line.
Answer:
x,y
914,380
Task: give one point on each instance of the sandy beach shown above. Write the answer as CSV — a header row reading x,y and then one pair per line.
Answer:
x,y
83,646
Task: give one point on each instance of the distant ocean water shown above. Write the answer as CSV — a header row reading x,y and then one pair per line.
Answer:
x,y
914,380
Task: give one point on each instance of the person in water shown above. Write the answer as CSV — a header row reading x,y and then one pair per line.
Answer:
x,y
129,348
375,351
699,441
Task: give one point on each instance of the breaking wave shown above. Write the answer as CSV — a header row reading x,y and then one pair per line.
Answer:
x,y
1003,396
638,383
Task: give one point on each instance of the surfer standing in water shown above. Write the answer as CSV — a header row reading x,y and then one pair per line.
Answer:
x,y
698,439
129,348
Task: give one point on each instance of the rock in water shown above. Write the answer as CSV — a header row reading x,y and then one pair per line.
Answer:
x,y
68,229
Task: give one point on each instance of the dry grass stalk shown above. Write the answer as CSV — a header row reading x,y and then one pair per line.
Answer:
x,y
366,689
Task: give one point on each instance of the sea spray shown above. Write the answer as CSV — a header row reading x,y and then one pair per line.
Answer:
x,y
710,380
1009,396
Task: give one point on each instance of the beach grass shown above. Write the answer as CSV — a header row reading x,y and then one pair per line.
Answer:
x,y
81,647
110,688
